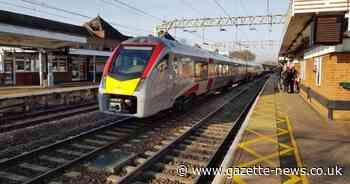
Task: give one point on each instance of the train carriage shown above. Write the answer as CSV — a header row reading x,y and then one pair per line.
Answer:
x,y
146,75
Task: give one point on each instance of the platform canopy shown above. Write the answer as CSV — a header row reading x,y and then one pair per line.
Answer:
x,y
299,16
27,31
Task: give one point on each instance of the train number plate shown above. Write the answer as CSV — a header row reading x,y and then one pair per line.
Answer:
x,y
115,106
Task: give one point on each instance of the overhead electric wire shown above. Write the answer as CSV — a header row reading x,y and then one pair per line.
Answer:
x,y
243,7
188,4
118,5
222,8
32,9
226,13
137,9
42,4
268,13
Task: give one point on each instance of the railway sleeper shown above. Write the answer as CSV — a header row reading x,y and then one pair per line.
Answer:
x,y
212,131
186,154
180,160
115,133
203,140
212,134
217,127
201,144
107,137
124,130
196,150
208,136
170,167
164,177
197,147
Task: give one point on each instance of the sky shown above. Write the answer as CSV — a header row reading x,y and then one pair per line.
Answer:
x,y
152,12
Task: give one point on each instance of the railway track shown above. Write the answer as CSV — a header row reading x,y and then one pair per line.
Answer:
x,y
45,163
201,146
32,119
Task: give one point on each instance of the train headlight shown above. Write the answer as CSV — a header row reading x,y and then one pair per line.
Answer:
x,y
127,101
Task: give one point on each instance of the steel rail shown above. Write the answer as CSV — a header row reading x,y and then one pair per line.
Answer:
x,y
11,161
54,115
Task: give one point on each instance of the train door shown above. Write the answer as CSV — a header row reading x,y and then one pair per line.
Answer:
x,y
201,76
161,85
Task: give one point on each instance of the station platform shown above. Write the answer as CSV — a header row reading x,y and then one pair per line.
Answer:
x,y
22,91
25,99
285,135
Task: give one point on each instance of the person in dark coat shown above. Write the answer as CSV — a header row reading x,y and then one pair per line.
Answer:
x,y
292,76
285,79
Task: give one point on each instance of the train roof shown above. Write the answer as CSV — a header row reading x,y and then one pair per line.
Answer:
x,y
184,49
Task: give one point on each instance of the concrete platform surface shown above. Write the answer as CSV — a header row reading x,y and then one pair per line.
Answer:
x,y
285,135
22,91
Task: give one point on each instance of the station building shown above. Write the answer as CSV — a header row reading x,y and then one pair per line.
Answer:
x,y
37,51
317,39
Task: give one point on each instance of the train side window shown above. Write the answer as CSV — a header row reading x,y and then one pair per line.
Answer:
x,y
211,70
225,70
175,65
183,67
201,70
221,70
163,64
217,70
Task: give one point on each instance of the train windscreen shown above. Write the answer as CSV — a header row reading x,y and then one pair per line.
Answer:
x,y
130,62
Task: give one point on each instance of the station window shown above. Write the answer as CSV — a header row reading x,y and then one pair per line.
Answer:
x,y
23,65
59,63
318,70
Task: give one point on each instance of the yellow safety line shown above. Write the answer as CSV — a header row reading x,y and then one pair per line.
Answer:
x,y
259,156
268,157
239,180
282,130
265,138
280,118
262,137
296,150
294,179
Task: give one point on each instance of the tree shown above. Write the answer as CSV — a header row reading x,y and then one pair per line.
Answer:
x,y
244,55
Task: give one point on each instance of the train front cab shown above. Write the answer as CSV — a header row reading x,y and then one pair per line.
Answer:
x,y
122,88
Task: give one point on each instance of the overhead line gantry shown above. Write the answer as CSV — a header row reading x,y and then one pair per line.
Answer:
x,y
166,26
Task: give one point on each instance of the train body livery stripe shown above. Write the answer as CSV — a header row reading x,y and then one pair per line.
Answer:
x,y
109,62
157,50
210,83
192,90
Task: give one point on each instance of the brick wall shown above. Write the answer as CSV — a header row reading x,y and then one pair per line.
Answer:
x,y
335,69
297,67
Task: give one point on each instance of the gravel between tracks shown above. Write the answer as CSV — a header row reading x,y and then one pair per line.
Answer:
x,y
19,141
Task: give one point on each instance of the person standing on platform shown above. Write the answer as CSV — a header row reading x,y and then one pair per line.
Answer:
x,y
285,80
292,76
297,81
